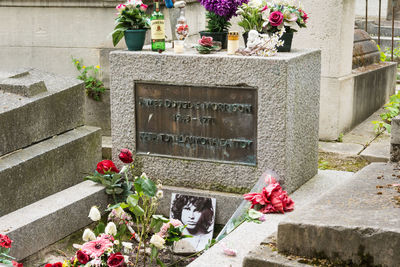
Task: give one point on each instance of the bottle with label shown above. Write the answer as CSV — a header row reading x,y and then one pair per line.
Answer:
x,y
157,28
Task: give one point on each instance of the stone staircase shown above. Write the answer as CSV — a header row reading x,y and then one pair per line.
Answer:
x,y
45,151
355,223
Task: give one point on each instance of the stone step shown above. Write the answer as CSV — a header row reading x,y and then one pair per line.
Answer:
x,y
249,235
106,145
50,219
36,105
356,222
48,167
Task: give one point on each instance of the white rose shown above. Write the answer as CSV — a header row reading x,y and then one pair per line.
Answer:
x,y
254,3
94,214
124,169
157,241
88,235
160,194
127,245
111,229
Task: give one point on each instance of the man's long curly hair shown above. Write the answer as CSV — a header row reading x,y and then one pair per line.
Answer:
x,y
202,204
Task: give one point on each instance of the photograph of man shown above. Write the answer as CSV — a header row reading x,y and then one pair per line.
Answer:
x,y
198,214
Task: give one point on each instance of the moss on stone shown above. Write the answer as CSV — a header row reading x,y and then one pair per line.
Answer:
x,y
331,161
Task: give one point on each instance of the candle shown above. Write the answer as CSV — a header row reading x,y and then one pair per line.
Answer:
x,y
179,47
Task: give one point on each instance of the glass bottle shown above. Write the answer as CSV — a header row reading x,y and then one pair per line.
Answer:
x,y
157,28
182,29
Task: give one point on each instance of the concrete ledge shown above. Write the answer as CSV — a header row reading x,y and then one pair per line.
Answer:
x,y
66,3
249,236
30,120
48,167
227,203
51,219
356,222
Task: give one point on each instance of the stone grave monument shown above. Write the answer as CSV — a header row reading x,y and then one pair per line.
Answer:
x,y
217,122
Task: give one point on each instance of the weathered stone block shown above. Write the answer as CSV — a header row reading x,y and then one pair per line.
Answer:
x,y
356,222
287,90
23,84
48,167
27,120
48,220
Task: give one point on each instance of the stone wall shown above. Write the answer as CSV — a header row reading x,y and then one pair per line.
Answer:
x,y
373,8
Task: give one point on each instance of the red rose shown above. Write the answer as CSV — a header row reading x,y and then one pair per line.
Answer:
x,y
106,165
17,264
82,257
276,18
206,41
57,264
125,156
116,260
5,241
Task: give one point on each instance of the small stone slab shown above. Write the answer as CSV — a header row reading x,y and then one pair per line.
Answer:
x,y
22,83
357,221
346,149
377,152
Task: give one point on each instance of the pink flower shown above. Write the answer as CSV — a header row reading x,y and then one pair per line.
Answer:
x,y
164,228
206,41
303,15
120,7
264,8
97,247
143,7
276,18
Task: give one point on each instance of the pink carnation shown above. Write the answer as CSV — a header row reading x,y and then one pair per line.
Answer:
x,y
164,228
143,7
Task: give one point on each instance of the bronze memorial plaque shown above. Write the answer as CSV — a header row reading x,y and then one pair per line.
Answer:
x,y
197,122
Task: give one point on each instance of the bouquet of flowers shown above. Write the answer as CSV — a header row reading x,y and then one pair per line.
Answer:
x,y
130,16
271,17
220,12
272,199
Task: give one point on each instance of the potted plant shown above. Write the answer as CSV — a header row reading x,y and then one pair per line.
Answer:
x,y
271,18
132,23
218,16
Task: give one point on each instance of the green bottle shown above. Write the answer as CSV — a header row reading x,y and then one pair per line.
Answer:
x,y
157,28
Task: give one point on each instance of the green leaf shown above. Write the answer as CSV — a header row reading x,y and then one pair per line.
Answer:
x,y
132,200
109,191
118,190
146,186
159,262
154,253
137,210
99,228
253,214
117,35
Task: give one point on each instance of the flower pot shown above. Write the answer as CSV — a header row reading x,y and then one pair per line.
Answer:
x,y
134,39
287,37
217,36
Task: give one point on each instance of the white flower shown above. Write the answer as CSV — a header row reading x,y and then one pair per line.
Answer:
x,y
160,194
157,241
95,262
119,211
124,169
159,186
144,176
116,242
265,14
254,3
111,229
94,214
88,235
126,258
127,245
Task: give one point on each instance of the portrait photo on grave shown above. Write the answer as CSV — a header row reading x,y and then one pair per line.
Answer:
x,y
198,214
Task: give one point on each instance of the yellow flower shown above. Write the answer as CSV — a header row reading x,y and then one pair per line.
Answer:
x,y
66,263
77,62
83,67
97,67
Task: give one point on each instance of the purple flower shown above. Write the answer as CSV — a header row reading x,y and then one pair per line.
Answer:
x,y
223,8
